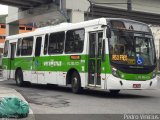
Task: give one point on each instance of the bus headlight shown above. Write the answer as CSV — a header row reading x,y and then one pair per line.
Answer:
x,y
115,72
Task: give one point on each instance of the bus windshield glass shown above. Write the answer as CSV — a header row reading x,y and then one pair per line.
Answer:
x,y
131,48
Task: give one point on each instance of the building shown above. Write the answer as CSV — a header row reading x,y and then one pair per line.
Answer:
x,y
2,31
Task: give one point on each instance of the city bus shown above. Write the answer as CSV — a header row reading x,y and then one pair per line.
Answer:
x,y
102,54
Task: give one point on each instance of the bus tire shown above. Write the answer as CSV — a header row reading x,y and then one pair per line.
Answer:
x,y
114,92
76,83
19,78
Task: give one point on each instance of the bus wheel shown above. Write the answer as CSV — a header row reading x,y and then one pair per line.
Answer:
x,y
19,78
76,83
114,92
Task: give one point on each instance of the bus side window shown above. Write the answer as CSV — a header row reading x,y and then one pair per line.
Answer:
x,y
27,46
74,41
18,47
46,45
13,46
6,46
56,43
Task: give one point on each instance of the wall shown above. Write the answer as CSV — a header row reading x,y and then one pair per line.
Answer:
x,y
80,5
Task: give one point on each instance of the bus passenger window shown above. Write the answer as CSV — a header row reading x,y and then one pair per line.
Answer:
x,y
74,41
18,47
38,46
6,46
56,43
100,36
46,44
27,46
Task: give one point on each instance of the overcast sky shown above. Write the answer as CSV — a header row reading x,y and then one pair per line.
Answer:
x,y
3,9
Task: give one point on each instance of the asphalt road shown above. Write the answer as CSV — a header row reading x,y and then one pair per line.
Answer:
x,y
48,100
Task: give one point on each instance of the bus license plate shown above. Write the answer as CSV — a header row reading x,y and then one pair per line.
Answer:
x,y
136,85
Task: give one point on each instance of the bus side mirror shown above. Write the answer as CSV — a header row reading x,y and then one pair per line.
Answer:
x,y
108,32
103,51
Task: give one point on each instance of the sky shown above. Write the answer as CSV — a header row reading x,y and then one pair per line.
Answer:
x,y
3,9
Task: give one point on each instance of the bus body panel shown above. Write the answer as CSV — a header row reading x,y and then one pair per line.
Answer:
x,y
116,83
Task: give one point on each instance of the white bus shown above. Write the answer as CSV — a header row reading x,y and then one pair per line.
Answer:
x,y
103,54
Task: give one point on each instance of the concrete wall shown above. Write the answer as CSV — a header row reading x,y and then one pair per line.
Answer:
x,y
76,16
12,14
3,18
79,5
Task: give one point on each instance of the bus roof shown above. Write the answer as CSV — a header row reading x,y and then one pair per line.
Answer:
x,y
68,26
129,20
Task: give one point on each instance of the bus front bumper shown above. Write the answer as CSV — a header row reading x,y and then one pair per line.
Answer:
x,y
117,83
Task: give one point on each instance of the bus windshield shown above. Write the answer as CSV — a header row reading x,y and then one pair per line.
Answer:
x,y
132,48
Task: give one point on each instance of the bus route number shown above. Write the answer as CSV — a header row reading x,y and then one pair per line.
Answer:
x,y
119,57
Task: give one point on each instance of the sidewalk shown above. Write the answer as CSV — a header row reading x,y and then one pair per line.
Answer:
x,y
8,92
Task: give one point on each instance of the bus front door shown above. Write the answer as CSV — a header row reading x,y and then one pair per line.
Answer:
x,y
37,73
95,58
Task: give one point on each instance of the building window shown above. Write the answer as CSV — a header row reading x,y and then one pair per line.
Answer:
x,y
27,46
6,47
56,43
29,28
3,26
22,28
2,37
74,41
